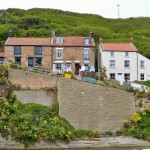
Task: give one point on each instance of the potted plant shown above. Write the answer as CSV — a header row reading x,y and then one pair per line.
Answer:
x,y
68,74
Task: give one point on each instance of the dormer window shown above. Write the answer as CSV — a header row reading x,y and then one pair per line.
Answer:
x,y
87,41
59,40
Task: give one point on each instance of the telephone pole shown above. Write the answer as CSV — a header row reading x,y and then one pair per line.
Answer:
x,y
118,11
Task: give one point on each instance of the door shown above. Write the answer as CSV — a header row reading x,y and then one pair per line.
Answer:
x,y
148,77
120,78
77,67
30,62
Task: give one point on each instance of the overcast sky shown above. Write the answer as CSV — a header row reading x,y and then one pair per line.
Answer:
x,y
105,8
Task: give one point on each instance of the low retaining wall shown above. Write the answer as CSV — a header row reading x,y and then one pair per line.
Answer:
x,y
44,97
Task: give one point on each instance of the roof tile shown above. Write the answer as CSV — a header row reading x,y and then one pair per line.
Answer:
x,y
1,54
67,41
129,47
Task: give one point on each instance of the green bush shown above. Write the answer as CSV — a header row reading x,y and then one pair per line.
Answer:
x,y
139,126
80,134
130,89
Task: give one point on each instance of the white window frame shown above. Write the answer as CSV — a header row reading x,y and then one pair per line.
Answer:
x,y
59,53
127,64
59,40
112,54
112,64
86,53
126,54
86,41
142,76
112,76
142,64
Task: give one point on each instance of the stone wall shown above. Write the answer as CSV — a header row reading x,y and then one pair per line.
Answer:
x,y
84,105
89,106
31,80
44,97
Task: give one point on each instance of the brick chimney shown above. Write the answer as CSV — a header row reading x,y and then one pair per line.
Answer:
x,y
52,33
131,40
10,33
91,34
100,40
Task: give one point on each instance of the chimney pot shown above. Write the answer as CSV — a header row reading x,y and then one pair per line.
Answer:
x,y
91,34
100,40
131,40
10,33
52,34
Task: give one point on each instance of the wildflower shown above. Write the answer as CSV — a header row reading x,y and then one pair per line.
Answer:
x,y
136,117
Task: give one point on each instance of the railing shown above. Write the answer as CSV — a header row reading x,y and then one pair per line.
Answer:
x,y
32,69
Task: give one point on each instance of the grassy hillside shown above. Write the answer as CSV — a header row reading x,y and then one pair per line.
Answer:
x,y
39,23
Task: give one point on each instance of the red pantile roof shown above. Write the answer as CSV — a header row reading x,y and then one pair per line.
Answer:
x,y
27,41
67,41
74,41
129,47
1,54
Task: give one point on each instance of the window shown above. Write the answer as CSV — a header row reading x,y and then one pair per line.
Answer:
x,y
87,41
86,66
59,53
112,54
86,54
17,49
38,50
112,64
112,76
1,59
18,60
58,67
38,61
68,67
142,64
127,64
142,76
126,54
59,40
127,77
119,74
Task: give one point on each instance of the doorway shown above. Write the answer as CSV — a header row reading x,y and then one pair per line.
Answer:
x,y
30,62
77,67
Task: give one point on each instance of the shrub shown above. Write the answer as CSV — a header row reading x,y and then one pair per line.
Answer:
x,y
100,83
109,133
139,127
130,89
80,134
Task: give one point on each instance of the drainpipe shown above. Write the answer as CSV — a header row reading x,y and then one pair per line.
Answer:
x,y
52,43
99,60
137,65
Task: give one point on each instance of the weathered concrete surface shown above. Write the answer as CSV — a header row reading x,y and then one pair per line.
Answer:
x,y
44,97
98,142
89,106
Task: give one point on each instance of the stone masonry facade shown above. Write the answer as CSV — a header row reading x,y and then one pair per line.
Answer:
x,y
57,54
28,51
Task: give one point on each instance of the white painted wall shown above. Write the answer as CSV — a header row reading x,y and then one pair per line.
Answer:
x,y
119,58
146,69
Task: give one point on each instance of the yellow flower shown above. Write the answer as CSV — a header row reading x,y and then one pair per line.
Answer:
x,y
136,117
